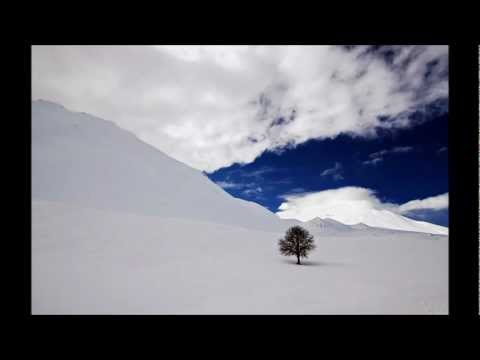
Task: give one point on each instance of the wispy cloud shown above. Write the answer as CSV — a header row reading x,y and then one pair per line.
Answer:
x,y
229,185
285,181
253,191
442,149
377,157
335,172
394,150
373,161
252,183
248,189
259,173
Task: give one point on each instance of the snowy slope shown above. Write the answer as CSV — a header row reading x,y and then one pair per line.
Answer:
x,y
84,160
87,261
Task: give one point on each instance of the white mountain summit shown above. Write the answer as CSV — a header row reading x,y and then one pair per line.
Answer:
x,y
381,218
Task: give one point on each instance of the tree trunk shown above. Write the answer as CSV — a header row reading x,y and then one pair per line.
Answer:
x,y
298,250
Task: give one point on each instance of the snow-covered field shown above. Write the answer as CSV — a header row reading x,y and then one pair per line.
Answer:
x,y
118,227
87,261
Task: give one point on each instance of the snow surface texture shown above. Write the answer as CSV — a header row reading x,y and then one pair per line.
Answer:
x,y
120,228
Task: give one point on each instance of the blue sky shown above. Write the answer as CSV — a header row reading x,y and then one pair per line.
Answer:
x,y
413,165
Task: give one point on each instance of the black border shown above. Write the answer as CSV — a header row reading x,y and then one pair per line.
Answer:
x,y
463,184
463,180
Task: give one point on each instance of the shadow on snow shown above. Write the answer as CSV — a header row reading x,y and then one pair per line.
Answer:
x,y
313,263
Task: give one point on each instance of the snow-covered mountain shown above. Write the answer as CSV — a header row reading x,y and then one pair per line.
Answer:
x,y
390,220
80,159
319,225
353,214
328,227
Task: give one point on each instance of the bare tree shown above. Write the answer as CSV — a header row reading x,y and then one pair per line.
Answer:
x,y
298,242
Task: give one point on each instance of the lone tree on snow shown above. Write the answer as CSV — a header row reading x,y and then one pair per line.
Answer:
x,y
298,242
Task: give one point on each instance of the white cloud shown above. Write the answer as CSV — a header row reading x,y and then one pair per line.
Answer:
x,y
327,203
212,106
346,203
438,202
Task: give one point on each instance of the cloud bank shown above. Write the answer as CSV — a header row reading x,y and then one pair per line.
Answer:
x,y
212,106
346,203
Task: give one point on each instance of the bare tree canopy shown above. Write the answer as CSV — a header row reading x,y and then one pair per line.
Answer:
x,y
298,242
